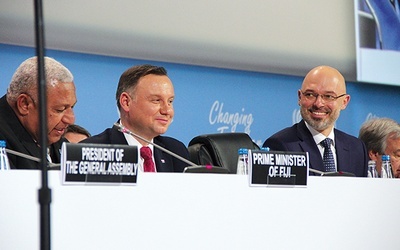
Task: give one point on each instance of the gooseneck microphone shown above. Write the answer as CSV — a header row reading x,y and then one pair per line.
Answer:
x,y
338,173
315,171
124,130
30,157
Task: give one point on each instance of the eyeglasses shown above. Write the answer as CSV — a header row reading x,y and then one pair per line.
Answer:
x,y
326,98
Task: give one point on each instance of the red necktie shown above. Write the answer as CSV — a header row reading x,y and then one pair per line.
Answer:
x,y
146,154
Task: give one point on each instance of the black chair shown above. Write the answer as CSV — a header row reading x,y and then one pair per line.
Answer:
x,y
219,149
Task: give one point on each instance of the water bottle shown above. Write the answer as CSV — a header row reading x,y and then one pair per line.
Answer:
x,y
386,171
242,164
372,173
4,163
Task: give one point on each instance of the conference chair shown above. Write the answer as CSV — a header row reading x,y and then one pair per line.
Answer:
x,y
219,149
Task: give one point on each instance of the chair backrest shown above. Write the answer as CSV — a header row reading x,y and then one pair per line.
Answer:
x,y
219,149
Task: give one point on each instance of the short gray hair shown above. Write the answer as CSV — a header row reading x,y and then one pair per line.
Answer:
x,y
26,76
375,132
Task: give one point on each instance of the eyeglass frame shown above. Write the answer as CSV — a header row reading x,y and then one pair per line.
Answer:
x,y
324,97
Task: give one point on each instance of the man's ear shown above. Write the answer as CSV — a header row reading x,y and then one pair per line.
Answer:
x,y
125,101
23,102
299,97
345,102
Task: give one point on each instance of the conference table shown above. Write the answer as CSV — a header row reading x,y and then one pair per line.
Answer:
x,y
201,211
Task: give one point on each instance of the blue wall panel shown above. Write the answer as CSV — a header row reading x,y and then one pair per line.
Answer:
x,y
208,100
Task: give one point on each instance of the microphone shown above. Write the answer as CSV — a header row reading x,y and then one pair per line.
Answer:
x,y
338,173
124,130
316,171
30,157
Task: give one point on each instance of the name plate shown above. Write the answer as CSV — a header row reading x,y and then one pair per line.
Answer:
x,y
98,164
276,168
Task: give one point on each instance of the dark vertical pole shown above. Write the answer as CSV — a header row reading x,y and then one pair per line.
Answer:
x,y
44,191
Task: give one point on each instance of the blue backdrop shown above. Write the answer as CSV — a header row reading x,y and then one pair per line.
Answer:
x,y
208,100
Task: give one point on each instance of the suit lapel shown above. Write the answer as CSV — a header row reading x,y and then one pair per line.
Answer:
x,y
342,152
27,142
307,144
117,137
163,160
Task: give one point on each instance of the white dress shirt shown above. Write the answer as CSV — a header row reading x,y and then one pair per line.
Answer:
x,y
318,138
132,141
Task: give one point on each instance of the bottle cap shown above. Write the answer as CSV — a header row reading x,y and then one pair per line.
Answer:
x,y
242,151
385,157
2,143
371,162
265,148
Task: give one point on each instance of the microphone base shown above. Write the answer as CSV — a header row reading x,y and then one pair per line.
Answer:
x,y
340,173
207,169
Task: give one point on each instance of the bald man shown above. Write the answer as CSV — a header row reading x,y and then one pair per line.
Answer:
x,y
321,99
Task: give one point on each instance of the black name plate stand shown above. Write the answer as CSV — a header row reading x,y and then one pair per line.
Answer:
x,y
99,164
276,168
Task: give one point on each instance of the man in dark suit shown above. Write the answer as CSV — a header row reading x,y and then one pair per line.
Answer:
x,y
145,95
19,112
321,98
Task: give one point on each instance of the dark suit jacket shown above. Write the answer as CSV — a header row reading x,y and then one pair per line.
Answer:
x,y
18,139
164,162
351,152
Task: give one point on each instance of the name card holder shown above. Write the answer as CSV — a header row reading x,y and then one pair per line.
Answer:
x,y
278,168
98,164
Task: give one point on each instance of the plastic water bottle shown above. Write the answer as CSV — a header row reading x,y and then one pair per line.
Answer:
x,y
4,163
386,171
242,164
372,173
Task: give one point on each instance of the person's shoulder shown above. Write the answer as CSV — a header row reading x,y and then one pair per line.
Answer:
x,y
5,110
59,143
168,141
173,145
286,132
343,135
348,139
280,139
3,99
103,137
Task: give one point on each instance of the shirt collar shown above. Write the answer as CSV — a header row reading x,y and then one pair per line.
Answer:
x,y
318,137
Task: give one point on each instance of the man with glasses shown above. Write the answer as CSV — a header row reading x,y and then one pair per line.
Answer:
x,y
19,112
321,98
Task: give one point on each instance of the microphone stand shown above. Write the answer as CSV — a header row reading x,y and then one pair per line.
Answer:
x,y
338,173
124,130
32,158
44,191
316,171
